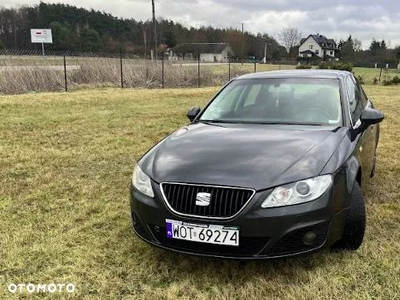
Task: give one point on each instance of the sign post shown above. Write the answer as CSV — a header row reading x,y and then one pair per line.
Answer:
x,y
41,36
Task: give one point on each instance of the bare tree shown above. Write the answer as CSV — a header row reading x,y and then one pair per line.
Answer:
x,y
289,37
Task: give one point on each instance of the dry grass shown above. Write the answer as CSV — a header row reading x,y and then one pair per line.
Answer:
x,y
22,74
26,74
66,162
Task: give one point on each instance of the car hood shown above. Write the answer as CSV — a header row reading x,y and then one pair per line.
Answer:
x,y
252,156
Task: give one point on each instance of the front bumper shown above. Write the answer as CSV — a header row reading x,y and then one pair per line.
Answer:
x,y
264,233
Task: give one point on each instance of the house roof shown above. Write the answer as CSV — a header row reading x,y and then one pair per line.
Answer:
x,y
201,48
323,41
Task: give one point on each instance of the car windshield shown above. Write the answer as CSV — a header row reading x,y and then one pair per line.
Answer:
x,y
307,101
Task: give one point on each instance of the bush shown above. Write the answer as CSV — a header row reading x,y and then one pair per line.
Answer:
x,y
323,65
375,81
342,66
396,80
305,66
386,82
360,79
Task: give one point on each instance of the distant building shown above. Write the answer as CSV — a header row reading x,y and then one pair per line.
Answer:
x,y
317,45
218,53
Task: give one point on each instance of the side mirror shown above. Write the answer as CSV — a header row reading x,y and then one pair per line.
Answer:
x,y
369,116
193,112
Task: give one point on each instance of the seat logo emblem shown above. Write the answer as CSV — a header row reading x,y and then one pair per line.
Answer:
x,y
203,199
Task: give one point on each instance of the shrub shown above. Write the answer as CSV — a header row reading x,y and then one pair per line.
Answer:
x,y
396,80
386,82
360,79
342,66
375,81
323,65
305,66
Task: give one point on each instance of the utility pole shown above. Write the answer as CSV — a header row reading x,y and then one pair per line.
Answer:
x,y
155,29
242,41
265,53
144,40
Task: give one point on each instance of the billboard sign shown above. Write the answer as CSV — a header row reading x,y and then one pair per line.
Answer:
x,y
41,36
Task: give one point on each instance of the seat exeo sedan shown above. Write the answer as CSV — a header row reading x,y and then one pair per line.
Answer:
x,y
273,166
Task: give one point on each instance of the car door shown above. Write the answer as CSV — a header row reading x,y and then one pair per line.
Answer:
x,y
372,131
366,141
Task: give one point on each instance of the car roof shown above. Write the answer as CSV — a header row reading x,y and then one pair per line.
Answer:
x,y
314,73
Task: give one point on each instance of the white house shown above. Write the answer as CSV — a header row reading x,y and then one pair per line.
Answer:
x,y
213,52
317,45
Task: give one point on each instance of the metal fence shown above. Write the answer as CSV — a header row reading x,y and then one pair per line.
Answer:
x,y
24,71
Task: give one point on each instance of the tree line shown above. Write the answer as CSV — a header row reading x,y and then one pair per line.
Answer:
x,y
81,30
378,52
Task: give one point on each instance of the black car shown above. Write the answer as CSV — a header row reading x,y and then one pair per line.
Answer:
x,y
273,166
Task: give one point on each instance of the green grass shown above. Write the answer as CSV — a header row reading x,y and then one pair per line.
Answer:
x,y
66,162
369,74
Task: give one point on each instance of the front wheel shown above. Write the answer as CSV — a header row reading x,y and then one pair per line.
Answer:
x,y
354,227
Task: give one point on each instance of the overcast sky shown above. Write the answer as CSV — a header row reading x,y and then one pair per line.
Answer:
x,y
363,19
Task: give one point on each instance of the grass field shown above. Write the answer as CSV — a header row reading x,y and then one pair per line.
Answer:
x,y
66,161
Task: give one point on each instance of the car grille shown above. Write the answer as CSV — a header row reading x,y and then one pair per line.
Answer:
x,y
247,247
225,201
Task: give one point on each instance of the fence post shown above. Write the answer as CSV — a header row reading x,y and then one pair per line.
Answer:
x,y
162,69
255,65
65,74
229,68
122,70
198,69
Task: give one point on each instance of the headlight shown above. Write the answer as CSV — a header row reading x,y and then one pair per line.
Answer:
x,y
142,182
298,192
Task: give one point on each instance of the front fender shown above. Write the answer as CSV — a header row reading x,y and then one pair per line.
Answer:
x,y
351,166
344,158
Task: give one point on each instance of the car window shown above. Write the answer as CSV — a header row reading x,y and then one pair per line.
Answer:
x,y
278,100
252,95
227,99
364,98
355,100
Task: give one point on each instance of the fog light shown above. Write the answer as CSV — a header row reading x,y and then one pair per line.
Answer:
x,y
309,237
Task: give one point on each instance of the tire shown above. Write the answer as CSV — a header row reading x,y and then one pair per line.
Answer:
x,y
354,226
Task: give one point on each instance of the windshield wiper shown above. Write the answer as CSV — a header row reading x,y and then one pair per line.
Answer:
x,y
262,122
291,123
221,121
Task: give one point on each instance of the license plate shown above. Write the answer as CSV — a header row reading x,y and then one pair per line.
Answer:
x,y
203,233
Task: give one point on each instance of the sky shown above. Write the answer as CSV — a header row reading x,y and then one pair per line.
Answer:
x,y
363,19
